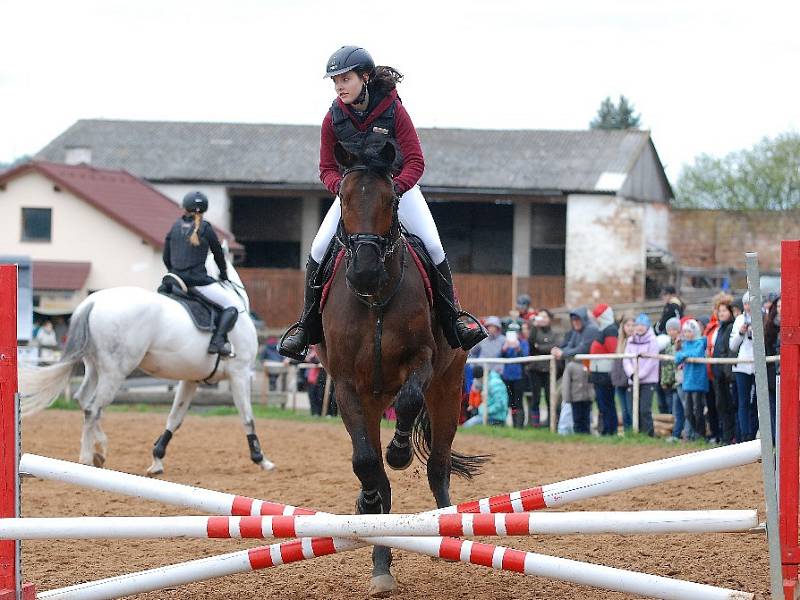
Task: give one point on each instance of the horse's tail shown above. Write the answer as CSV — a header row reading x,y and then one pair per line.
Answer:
x,y
40,386
464,465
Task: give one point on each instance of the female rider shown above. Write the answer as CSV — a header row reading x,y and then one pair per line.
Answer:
x,y
185,252
367,103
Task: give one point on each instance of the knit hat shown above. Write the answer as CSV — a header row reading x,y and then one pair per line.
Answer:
x,y
604,315
673,323
643,319
694,326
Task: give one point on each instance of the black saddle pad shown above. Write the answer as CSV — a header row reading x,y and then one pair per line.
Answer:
x,y
204,313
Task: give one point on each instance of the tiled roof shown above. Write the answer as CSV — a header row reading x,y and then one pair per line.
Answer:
x,y
59,275
570,161
118,194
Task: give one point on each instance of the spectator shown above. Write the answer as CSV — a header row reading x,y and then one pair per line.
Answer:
x,y
741,344
673,307
695,378
643,341
513,375
575,382
524,308
46,336
723,374
772,343
497,400
315,383
618,376
738,307
669,382
541,342
600,370
475,391
492,346
714,421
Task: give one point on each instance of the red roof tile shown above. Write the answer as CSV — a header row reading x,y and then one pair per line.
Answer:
x,y
121,196
59,275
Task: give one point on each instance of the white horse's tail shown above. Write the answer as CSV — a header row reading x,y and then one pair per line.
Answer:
x,y
40,386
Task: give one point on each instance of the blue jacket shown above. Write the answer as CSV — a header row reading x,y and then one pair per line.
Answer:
x,y
513,372
695,377
497,399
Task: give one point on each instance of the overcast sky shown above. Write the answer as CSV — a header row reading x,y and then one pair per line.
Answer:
x,y
706,76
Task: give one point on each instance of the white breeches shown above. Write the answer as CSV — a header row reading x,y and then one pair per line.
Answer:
x,y
220,294
414,215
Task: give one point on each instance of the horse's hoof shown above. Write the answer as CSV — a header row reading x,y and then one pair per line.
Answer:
x,y
155,470
382,586
98,460
267,465
399,459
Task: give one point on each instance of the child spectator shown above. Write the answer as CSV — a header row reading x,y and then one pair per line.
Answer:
x,y
492,346
600,370
497,400
643,341
513,375
619,378
541,342
669,382
695,378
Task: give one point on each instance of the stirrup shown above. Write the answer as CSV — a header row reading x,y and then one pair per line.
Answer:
x,y
287,353
469,316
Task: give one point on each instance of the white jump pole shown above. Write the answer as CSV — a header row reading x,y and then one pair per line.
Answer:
x,y
644,522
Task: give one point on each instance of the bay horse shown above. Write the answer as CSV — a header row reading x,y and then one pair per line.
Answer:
x,y
117,330
383,344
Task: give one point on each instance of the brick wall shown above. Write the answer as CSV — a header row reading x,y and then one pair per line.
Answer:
x,y
711,238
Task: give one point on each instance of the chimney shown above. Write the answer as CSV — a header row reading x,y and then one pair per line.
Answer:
x,y
76,155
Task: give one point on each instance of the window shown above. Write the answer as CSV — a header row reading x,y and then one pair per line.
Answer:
x,y
36,224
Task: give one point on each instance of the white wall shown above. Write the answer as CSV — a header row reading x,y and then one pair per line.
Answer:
x,y
219,212
656,224
605,259
80,233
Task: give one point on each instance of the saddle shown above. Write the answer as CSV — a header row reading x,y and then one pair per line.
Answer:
x,y
204,313
416,250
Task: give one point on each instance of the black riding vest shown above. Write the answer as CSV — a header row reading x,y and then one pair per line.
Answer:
x,y
188,261
346,131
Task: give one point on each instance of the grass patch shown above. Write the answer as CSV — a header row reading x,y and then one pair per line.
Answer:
x,y
284,414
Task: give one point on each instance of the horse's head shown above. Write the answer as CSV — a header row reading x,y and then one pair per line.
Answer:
x,y
369,213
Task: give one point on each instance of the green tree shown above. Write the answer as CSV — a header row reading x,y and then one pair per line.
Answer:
x,y
615,116
764,177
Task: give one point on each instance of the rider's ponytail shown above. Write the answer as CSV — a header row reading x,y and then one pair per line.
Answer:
x,y
384,79
194,238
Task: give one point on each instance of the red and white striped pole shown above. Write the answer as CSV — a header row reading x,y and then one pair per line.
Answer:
x,y
11,586
365,526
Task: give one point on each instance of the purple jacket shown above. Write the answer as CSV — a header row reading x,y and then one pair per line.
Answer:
x,y
648,367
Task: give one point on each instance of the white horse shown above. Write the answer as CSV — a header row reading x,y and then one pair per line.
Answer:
x,y
118,330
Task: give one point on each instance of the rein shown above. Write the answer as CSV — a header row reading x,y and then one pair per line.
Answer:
x,y
385,247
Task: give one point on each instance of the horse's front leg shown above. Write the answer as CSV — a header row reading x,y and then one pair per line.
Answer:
x,y
180,406
362,420
410,400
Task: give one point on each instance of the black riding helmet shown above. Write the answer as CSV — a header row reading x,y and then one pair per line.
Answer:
x,y
349,58
195,202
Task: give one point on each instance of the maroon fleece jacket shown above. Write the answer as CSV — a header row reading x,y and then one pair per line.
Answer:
x,y
405,135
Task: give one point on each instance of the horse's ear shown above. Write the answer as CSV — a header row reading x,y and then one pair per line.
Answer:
x,y
343,157
388,153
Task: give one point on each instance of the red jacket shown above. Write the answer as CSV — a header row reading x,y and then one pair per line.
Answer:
x,y
405,135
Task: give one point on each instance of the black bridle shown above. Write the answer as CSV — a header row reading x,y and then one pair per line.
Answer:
x,y
384,245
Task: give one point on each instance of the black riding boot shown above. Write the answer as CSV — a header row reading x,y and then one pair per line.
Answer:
x,y
308,330
457,332
219,341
